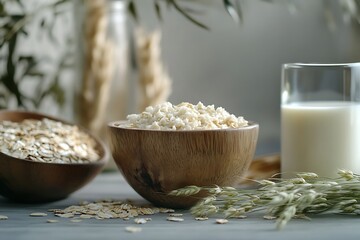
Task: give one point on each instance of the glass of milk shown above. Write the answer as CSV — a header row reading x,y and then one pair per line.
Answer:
x,y
320,118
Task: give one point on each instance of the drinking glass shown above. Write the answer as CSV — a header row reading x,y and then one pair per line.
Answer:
x,y
320,118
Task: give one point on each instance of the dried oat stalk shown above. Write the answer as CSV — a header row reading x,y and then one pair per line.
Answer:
x,y
154,82
98,67
282,199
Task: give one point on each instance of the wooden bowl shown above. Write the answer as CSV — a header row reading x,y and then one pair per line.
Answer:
x,y
154,162
28,181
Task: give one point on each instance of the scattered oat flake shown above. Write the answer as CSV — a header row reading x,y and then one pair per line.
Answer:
x,y
38,214
166,210
65,215
140,220
52,221
54,210
76,220
108,209
3,217
222,221
175,214
269,217
133,229
175,219
201,218
104,215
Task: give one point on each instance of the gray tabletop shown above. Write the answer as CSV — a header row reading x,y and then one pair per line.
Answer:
x,y
111,185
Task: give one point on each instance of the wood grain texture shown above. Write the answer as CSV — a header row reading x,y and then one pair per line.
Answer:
x,y
27,181
262,167
156,162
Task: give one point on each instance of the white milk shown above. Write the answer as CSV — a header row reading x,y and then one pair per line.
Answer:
x,y
320,137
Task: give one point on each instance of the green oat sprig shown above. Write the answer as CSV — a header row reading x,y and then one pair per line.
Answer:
x,y
283,199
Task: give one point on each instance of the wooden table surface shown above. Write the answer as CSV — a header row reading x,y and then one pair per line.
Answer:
x,y
111,185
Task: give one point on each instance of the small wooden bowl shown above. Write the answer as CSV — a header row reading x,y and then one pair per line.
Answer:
x,y
28,181
155,162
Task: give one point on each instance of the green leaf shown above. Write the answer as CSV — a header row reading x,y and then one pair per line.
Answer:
x,y
132,9
22,30
55,91
35,73
232,11
17,17
13,27
187,15
10,67
42,23
357,6
58,93
26,58
192,10
2,96
60,2
2,9
6,26
29,62
158,10
357,3
3,101
30,67
12,87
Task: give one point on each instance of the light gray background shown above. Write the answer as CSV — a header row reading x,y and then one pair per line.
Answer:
x,y
238,66
233,66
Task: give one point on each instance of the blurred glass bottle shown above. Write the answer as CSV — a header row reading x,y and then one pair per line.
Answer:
x,y
102,90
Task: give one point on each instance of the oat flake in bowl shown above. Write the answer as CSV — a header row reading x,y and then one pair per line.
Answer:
x,y
51,178
47,141
184,116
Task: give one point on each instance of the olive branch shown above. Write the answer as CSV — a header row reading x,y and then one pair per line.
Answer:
x,y
19,68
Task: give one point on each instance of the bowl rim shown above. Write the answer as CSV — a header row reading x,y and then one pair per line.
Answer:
x,y
251,124
102,161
